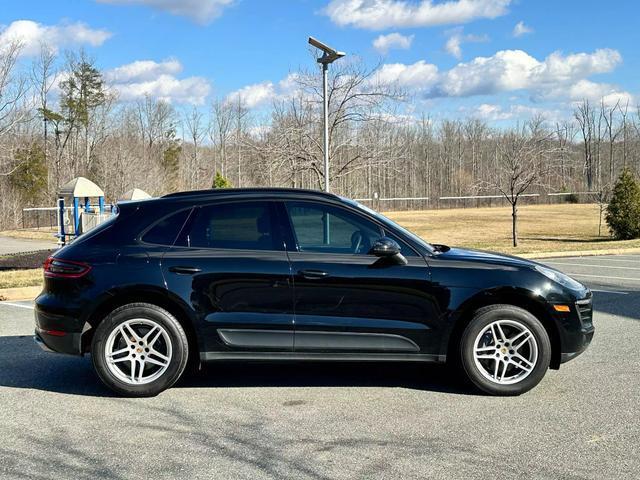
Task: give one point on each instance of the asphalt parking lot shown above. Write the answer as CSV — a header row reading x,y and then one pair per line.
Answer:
x,y
333,421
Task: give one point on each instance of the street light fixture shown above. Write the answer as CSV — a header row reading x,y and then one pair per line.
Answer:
x,y
329,55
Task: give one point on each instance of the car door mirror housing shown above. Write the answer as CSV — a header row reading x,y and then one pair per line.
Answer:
x,y
385,247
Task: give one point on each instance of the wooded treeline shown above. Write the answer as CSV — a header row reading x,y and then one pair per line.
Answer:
x,y
59,119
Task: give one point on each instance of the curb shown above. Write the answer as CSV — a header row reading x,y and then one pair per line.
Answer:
x,y
581,253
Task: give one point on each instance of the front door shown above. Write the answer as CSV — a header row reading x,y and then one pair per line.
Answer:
x,y
347,300
229,264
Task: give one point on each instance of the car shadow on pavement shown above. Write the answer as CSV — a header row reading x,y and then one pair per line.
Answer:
x,y
24,365
624,302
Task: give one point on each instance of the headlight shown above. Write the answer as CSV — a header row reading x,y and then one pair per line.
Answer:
x,y
558,277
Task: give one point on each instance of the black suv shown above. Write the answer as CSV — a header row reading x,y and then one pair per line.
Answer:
x,y
284,274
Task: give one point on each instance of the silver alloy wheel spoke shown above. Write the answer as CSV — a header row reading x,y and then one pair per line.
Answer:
x,y
159,355
156,362
505,352
129,347
118,352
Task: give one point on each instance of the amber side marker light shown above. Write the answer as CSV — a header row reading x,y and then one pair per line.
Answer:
x,y
562,308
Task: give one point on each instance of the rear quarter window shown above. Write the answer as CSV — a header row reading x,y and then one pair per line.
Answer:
x,y
165,231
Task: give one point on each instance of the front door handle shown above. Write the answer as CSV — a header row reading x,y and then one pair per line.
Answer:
x,y
185,270
313,274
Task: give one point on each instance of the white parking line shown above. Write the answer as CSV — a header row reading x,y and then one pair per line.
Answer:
x,y
592,265
601,277
609,291
606,259
19,305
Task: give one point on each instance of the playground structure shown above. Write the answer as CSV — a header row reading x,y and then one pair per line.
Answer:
x,y
81,207
79,192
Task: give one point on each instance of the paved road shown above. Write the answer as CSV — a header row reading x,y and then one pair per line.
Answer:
x,y
18,245
333,421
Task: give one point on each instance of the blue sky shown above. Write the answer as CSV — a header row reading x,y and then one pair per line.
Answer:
x,y
195,50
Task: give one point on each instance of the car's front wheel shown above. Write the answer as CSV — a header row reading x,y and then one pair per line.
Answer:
x,y
139,350
505,350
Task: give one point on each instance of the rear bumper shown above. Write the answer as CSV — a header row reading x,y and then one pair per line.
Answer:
x,y
68,343
56,332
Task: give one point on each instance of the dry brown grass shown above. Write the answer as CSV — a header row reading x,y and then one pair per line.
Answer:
x,y
20,293
31,234
21,278
543,228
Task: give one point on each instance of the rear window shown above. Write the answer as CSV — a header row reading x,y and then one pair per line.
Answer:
x,y
239,226
166,230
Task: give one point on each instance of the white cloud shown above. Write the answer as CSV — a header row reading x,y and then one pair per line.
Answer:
x,y
143,70
200,11
384,43
420,75
496,113
557,76
521,29
491,112
158,80
260,94
254,95
32,35
596,92
457,38
505,71
381,14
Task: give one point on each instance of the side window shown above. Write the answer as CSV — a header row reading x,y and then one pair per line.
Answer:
x,y
328,229
239,226
405,249
166,230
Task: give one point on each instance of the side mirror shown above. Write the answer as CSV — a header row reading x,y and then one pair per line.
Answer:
x,y
385,247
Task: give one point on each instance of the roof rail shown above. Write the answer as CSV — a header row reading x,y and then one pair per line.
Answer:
x,y
241,191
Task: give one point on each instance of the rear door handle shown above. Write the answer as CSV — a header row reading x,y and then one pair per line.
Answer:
x,y
313,274
185,270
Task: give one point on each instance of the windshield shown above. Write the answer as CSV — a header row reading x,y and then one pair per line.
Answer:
x,y
391,224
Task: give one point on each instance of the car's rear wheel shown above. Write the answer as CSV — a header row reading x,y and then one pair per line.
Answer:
x,y
505,350
139,350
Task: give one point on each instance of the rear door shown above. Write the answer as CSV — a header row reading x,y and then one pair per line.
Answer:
x,y
229,264
346,300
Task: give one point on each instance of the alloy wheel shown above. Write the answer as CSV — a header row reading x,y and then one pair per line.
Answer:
x,y
138,351
505,352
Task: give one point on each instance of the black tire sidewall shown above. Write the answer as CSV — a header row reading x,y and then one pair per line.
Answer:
x,y
504,312
180,349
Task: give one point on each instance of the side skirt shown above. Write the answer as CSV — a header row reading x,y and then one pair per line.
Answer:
x,y
321,357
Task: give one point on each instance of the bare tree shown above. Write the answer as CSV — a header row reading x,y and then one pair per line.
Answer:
x,y
195,127
13,88
220,131
43,77
585,117
522,163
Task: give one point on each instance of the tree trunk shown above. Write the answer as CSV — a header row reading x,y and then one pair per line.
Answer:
x,y
514,218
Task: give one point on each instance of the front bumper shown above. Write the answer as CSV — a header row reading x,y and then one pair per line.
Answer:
x,y
584,334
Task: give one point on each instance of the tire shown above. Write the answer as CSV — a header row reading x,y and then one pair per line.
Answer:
x,y
484,346
139,350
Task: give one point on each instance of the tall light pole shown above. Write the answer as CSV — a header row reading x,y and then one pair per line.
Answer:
x,y
329,55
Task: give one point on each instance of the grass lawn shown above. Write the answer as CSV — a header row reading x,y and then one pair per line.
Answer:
x,y
542,228
20,278
31,234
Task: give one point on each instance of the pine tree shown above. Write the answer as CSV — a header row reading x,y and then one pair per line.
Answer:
x,y
623,211
221,182
29,179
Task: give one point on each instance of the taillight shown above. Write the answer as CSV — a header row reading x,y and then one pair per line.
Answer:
x,y
55,267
